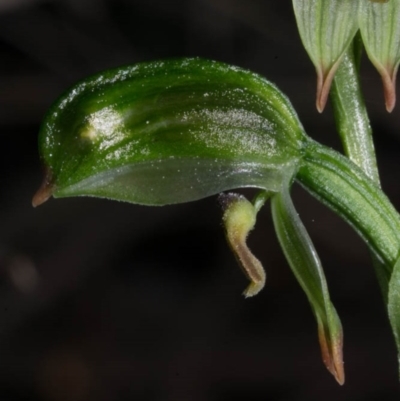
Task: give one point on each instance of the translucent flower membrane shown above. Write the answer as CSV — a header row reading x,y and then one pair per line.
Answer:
x,y
175,131
327,28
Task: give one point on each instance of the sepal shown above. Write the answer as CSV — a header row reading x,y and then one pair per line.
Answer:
x,y
306,266
380,29
326,29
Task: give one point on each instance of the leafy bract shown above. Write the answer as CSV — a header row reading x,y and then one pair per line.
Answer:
x,y
345,188
394,305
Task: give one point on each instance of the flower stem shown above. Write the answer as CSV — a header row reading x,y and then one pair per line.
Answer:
x,y
338,183
354,128
351,114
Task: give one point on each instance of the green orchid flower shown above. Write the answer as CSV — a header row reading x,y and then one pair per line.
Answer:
x,y
327,28
380,31
176,131
328,31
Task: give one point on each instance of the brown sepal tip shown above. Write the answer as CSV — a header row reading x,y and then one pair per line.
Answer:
x,y
45,191
324,81
389,86
332,355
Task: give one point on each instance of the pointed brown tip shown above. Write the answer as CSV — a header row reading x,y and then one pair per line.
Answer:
x,y
332,355
45,191
322,94
324,81
389,89
338,373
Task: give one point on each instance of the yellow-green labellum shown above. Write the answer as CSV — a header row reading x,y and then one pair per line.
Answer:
x,y
239,219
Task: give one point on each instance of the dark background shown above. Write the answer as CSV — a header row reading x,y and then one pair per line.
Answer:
x,y
102,300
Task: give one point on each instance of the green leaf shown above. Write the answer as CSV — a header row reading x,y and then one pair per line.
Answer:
x,y
394,305
326,29
380,29
306,266
168,132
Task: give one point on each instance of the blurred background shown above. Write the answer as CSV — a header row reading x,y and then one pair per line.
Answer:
x,y
102,300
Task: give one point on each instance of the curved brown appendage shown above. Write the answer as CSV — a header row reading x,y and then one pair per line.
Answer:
x,y
239,219
389,86
45,191
251,266
332,354
324,82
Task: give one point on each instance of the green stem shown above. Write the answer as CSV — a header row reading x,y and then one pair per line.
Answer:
x,y
351,114
354,128
260,199
338,183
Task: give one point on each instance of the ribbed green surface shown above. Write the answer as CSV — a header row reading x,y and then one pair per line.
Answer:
x,y
169,132
326,28
337,182
380,29
394,305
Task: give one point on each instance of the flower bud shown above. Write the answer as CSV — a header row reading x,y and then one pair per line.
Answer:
x,y
326,29
380,30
